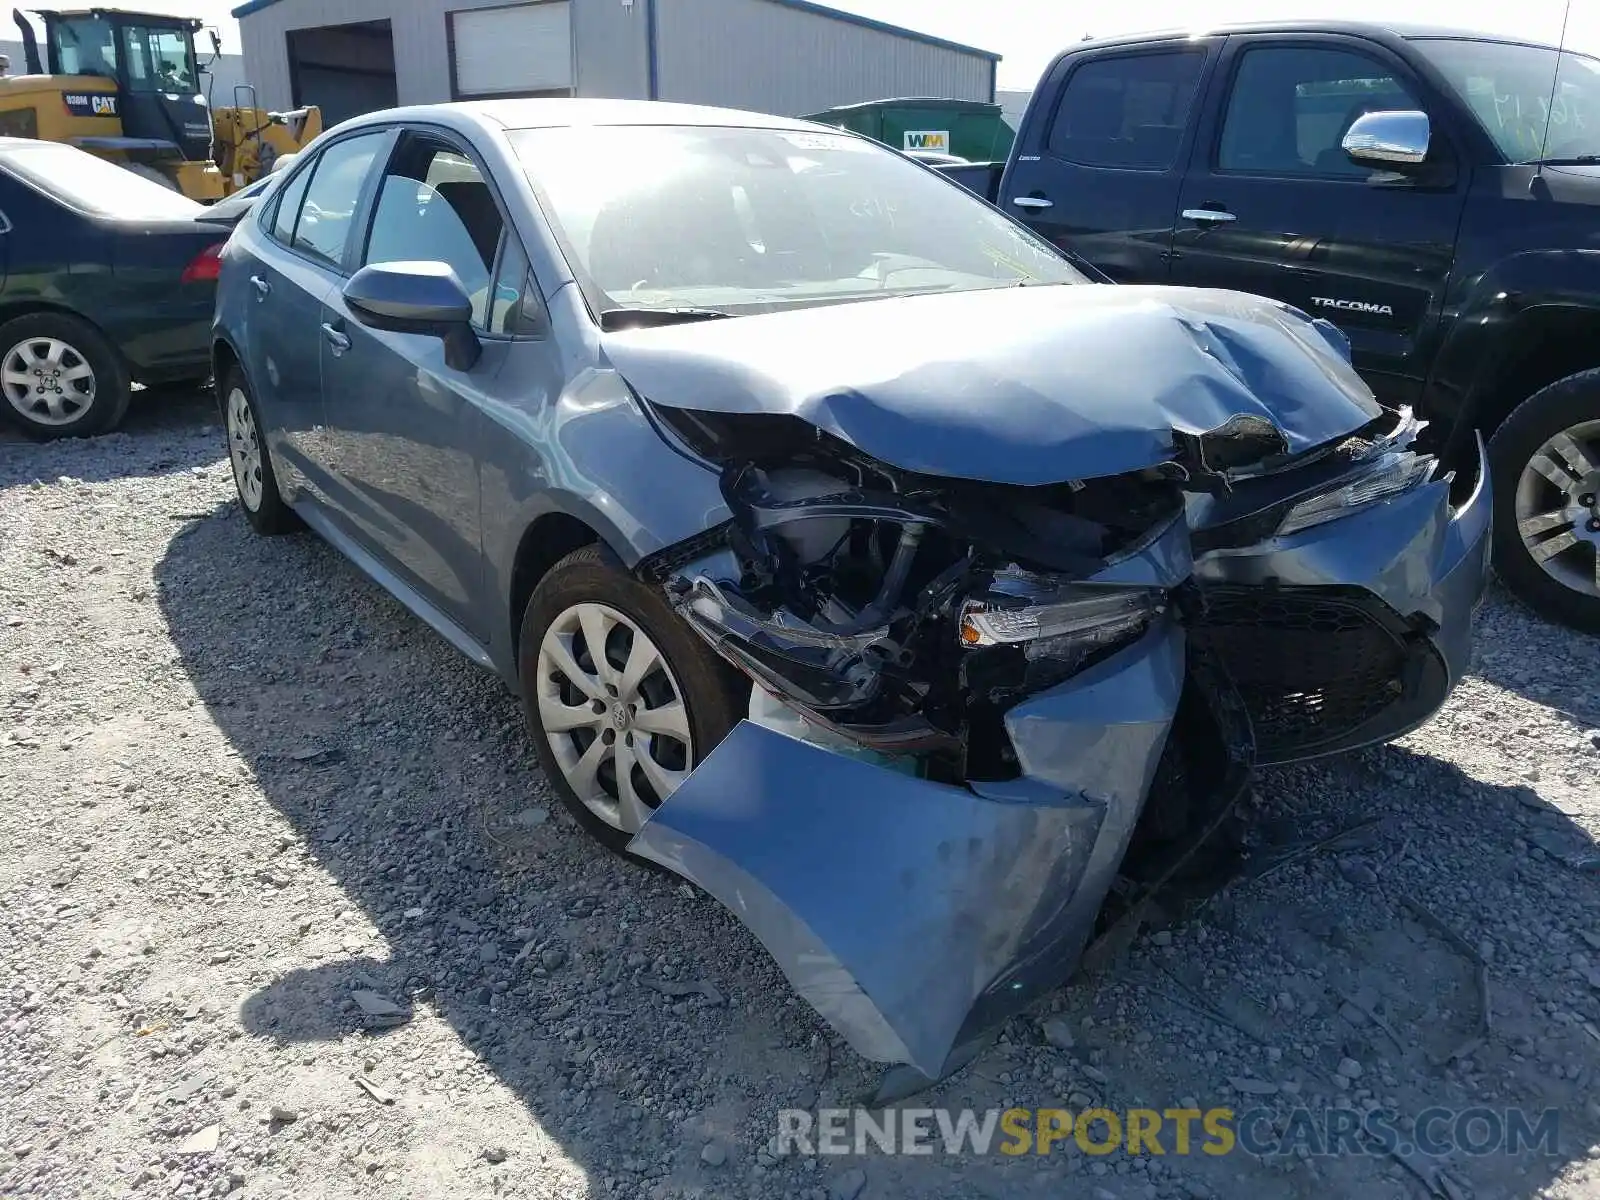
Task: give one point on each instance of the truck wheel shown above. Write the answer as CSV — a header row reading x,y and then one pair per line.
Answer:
x,y
1545,461
60,376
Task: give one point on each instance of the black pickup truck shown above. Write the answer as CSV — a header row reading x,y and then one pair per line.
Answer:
x,y
1416,187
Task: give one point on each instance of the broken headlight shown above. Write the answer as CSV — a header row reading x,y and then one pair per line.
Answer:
x,y
1380,477
1070,618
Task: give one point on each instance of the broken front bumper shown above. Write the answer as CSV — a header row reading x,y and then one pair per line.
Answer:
x,y
1356,631
912,914
915,915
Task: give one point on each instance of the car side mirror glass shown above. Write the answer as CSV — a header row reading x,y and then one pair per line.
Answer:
x,y
1389,141
417,297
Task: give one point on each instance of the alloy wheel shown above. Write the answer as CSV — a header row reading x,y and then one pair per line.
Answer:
x,y
613,712
1557,506
244,449
48,381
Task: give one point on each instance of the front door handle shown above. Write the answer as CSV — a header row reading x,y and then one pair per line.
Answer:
x,y
262,286
1032,202
1210,216
336,339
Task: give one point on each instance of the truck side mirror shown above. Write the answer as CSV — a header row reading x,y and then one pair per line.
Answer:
x,y
1388,140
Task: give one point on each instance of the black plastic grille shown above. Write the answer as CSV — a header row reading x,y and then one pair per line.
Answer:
x,y
1312,665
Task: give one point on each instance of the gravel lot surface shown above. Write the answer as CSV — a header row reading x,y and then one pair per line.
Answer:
x,y
288,912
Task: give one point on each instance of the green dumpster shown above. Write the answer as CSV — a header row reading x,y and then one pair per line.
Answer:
x,y
968,129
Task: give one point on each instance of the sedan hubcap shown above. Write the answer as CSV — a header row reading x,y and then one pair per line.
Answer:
x,y
244,448
47,381
613,712
1558,507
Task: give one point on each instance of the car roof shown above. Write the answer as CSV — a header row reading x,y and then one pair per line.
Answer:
x,y
1369,29
19,143
562,112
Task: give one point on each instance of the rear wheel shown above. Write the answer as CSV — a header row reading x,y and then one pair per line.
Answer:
x,y
1546,465
622,699
60,376
253,476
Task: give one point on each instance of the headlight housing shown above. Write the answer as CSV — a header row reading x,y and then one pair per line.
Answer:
x,y
1047,624
1380,476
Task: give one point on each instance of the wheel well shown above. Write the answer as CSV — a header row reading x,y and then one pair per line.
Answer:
x,y
223,359
545,543
1551,346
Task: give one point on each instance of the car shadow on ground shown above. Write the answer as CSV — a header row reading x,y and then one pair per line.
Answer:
x,y
576,980
166,432
404,772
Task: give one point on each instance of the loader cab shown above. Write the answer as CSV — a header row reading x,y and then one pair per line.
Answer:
x,y
151,59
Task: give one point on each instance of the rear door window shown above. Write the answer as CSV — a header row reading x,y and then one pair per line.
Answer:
x,y
1127,111
327,207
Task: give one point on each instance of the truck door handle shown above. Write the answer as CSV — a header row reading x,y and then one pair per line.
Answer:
x,y
1031,202
1208,215
262,286
337,340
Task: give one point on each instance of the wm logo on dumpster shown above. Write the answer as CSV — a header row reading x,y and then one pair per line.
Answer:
x,y
927,139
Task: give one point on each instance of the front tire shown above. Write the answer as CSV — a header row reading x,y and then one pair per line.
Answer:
x,y
61,377
1545,461
253,476
622,699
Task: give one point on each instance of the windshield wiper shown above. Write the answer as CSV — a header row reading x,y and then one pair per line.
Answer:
x,y
1571,160
613,319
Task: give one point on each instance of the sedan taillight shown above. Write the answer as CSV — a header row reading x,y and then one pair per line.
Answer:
x,y
205,266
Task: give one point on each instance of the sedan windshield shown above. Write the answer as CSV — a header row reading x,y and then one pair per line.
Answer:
x,y
1510,87
733,220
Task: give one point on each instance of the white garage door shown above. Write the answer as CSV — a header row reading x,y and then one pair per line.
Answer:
x,y
520,48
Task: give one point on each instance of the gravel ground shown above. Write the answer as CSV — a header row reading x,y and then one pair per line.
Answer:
x,y
287,912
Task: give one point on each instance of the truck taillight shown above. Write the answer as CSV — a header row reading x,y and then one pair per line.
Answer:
x,y
205,266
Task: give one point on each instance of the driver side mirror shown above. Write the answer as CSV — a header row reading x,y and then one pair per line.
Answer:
x,y
1391,141
417,297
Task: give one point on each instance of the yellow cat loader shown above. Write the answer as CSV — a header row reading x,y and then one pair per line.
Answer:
x,y
127,86
248,140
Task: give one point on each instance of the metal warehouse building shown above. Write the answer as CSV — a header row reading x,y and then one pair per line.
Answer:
x,y
787,57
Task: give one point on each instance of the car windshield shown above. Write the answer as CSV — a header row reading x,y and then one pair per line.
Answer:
x,y
96,186
743,220
1510,86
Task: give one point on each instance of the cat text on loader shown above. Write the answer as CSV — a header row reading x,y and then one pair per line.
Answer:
x,y
127,86
121,85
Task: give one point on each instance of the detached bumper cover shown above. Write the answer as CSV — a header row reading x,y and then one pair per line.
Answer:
x,y
914,915
894,904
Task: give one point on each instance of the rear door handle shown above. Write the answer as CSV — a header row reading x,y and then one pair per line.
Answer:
x,y
262,286
337,340
1032,202
1212,216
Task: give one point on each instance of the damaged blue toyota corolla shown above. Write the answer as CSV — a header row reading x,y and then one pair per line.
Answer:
x,y
856,557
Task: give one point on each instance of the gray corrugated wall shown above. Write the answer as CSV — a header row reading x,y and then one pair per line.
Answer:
x,y
756,55
611,37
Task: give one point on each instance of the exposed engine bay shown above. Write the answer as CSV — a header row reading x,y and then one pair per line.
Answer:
x,y
906,612
1018,626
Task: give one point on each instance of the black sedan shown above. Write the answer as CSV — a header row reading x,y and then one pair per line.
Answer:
x,y
108,280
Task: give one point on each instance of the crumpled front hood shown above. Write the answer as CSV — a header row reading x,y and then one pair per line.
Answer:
x,y
1023,386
